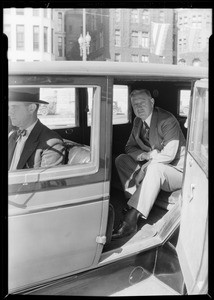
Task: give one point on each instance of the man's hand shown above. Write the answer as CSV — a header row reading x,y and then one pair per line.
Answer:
x,y
144,156
147,155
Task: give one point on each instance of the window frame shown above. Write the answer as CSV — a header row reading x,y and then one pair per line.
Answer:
x,y
45,35
135,39
196,131
36,39
20,37
26,176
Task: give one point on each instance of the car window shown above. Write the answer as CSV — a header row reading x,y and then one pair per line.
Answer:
x,y
184,100
60,112
198,145
63,113
120,104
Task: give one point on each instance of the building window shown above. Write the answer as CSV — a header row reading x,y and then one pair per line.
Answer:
x,y
145,58
194,21
185,20
199,21
52,40
60,46
45,39
35,12
20,11
184,44
145,16
94,23
180,44
199,43
134,16
20,37
174,42
134,39
135,58
35,38
117,15
117,57
59,21
117,38
45,12
161,16
101,40
7,31
180,20
145,39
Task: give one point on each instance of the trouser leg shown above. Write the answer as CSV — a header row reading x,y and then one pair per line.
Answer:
x,y
127,169
158,176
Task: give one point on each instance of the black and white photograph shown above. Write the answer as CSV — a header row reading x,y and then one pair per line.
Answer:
x,y
107,130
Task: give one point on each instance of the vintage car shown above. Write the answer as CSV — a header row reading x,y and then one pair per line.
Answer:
x,y
60,219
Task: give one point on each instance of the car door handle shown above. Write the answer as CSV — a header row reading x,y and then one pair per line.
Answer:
x,y
192,188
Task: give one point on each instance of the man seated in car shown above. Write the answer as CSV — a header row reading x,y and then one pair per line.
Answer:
x,y
153,161
33,145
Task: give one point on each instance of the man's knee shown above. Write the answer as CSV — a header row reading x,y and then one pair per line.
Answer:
x,y
157,168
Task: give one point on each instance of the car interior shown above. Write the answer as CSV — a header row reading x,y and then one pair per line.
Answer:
x,y
77,141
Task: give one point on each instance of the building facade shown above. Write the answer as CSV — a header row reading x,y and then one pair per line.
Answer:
x,y
141,35
34,34
170,36
194,29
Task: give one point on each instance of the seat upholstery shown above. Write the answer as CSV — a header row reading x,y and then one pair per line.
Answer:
x,y
79,155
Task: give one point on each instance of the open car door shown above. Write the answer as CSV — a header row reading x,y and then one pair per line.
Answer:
x,y
192,244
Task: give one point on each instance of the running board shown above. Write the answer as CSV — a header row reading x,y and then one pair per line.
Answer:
x,y
161,233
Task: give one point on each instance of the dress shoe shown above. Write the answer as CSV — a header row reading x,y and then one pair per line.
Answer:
x,y
125,230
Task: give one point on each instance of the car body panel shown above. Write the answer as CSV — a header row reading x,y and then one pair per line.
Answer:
x,y
193,238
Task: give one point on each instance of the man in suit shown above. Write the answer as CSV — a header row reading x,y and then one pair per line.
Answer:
x,y
34,145
153,161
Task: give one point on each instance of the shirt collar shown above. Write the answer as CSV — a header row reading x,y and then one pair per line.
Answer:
x,y
30,128
148,120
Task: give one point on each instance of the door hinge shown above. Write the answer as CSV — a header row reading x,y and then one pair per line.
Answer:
x,y
101,239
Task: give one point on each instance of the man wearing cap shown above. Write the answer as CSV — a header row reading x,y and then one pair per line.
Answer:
x,y
153,161
33,145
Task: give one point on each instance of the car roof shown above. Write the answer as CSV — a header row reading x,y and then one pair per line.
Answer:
x,y
106,69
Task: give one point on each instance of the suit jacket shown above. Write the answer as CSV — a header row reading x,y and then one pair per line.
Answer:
x,y
165,135
43,148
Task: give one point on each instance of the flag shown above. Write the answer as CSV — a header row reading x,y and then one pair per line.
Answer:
x,y
159,33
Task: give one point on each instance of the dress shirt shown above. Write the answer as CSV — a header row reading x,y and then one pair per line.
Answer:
x,y
148,120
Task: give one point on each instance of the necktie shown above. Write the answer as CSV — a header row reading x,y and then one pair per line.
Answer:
x,y
146,134
20,133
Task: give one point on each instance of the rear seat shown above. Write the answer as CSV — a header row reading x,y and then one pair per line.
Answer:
x,y
77,153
